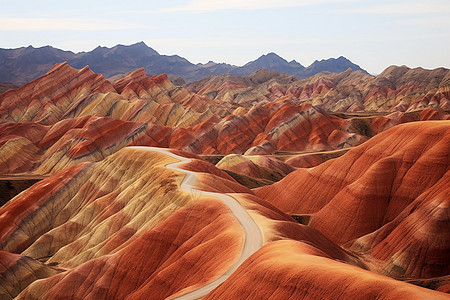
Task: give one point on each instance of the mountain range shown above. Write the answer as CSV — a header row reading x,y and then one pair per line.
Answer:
x,y
330,187
24,64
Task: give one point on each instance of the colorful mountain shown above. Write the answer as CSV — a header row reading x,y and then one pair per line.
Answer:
x,y
387,198
353,203
69,116
122,227
396,89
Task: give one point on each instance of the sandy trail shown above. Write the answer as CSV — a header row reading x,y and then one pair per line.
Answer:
x,y
253,235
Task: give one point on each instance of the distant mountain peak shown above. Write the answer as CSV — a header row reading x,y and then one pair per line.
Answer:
x,y
269,61
141,43
29,63
99,48
271,56
334,65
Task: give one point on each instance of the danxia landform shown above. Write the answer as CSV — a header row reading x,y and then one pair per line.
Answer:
x,y
252,183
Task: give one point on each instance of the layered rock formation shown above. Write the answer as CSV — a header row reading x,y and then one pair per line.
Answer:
x,y
297,270
124,226
255,166
114,221
65,92
94,222
395,89
18,271
69,116
387,197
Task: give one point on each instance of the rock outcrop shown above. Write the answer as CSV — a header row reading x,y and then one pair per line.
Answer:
x,y
386,197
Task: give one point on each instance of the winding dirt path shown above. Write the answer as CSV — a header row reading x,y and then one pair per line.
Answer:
x,y
253,235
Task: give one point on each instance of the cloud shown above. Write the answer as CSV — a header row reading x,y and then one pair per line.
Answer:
x,y
203,6
49,24
440,21
407,8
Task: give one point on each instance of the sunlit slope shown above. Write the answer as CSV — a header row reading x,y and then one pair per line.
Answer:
x,y
387,197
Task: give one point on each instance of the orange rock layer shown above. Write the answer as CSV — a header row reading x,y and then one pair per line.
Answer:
x,y
122,227
395,89
297,270
387,197
69,116
124,220
120,222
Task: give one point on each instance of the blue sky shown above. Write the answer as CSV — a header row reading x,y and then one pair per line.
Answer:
x,y
373,34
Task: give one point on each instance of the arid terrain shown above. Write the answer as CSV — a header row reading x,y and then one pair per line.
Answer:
x,y
260,186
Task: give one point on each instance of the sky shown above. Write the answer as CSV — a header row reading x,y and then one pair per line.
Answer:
x,y
373,34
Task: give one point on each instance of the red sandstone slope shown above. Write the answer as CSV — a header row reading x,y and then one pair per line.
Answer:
x,y
152,111
18,271
123,227
46,99
87,118
395,89
297,270
97,220
65,92
381,193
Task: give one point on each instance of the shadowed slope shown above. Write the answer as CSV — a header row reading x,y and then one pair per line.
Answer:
x,y
17,272
262,167
423,229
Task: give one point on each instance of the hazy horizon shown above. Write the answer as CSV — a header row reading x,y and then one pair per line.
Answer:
x,y
372,34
